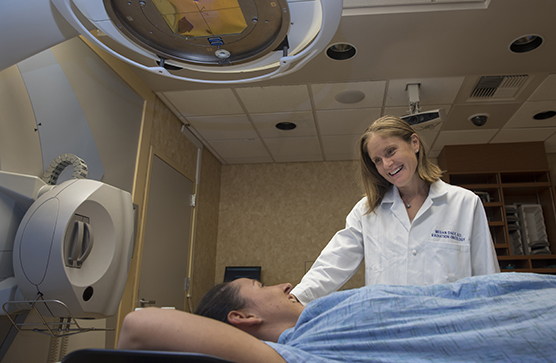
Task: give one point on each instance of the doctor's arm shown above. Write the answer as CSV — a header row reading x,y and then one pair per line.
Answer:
x,y
483,254
336,264
173,330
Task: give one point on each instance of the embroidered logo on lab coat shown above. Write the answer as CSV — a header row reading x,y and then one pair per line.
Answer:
x,y
448,235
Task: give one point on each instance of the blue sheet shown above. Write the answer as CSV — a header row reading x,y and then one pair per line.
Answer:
x,y
506,317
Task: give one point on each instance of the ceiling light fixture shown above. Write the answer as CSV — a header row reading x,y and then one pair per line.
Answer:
x,y
526,43
285,126
544,115
341,51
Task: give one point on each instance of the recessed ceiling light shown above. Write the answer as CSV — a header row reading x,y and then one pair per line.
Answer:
x,y
350,96
341,51
526,43
544,115
286,126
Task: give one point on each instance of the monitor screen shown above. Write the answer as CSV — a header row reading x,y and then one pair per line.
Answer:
x,y
237,272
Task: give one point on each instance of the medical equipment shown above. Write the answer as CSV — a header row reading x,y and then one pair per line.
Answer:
x,y
226,37
418,119
72,249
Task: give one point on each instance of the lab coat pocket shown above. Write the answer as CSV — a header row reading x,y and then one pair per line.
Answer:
x,y
447,262
379,256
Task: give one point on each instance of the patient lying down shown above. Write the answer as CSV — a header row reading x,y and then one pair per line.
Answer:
x,y
508,317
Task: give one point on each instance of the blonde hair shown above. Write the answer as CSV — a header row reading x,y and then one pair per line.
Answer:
x,y
374,184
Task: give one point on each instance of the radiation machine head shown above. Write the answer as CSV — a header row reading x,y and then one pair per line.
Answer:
x,y
206,36
74,244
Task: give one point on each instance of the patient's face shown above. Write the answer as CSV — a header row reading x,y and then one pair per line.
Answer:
x,y
272,302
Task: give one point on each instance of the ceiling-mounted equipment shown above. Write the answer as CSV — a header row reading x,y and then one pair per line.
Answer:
x,y
226,37
479,119
502,87
421,120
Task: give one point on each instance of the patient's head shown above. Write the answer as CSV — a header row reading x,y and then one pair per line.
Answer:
x,y
219,301
262,311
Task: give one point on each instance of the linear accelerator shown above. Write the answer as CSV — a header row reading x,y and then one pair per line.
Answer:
x,y
68,246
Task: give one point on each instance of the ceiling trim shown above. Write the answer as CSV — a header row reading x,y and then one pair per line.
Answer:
x,y
371,7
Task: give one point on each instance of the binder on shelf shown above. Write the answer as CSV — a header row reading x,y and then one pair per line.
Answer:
x,y
533,229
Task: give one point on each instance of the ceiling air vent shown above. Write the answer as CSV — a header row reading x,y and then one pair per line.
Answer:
x,y
498,87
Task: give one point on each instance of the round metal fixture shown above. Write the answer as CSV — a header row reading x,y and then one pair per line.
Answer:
x,y
479,119
341,51
350,96
526,43
222,54
286,126
263,37
544,115
179,31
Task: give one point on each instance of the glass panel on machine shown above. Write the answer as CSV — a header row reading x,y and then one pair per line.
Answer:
x,y
202,18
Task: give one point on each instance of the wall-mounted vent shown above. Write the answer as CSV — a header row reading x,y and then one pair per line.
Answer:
x,y
500,87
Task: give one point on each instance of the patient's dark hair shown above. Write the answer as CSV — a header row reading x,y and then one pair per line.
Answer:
x,y
219,301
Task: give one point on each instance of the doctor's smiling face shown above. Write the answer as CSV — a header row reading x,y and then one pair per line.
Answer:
x,y
395,159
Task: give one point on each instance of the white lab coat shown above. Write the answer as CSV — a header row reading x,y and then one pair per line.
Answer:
x,y
448,239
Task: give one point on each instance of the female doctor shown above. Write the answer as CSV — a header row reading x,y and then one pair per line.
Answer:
x,y
411,227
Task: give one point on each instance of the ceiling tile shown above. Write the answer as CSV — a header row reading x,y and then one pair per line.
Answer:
x,y
241,151
204,102
546,90
521,135
463,138
265,123
428,137
550,144
346,122
275,98
431,91
340,147
325,95
524,116
295,149
223,127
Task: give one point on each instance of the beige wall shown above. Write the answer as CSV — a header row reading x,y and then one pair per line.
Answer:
x,y
280,216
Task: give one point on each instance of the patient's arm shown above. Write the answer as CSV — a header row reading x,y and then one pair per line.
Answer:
x,y
173,330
